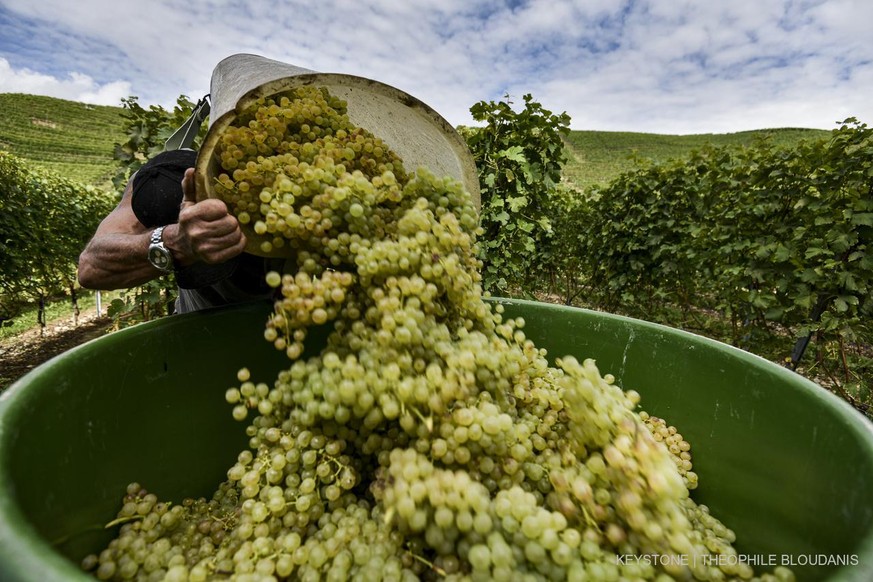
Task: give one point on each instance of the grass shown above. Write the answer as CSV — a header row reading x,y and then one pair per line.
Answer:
x,y
68,138
56,311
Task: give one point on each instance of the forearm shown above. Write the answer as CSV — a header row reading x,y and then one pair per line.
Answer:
x,y
117,257
116,261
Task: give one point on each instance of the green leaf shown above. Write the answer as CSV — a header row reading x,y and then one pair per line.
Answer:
x,y
782,253
862,218
814,252
514,153
516,203
775,313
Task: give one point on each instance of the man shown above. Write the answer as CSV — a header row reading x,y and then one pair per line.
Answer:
x,y
158,227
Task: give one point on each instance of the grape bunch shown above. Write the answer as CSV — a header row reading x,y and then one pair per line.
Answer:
x,y
429,438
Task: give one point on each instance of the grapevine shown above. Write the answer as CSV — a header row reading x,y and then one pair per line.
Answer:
x,y
429,438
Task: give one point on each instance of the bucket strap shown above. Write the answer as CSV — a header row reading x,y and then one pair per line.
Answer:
x,y
183,137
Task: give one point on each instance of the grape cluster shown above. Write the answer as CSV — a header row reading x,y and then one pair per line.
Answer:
x,y
430,438
295,165
306,300
680,449
162,541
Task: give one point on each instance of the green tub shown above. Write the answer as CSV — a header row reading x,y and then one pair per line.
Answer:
x,y
781,461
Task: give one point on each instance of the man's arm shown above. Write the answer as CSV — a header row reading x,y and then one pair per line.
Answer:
x,y
117,255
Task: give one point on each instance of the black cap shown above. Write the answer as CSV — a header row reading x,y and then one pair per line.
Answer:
x,y
157,187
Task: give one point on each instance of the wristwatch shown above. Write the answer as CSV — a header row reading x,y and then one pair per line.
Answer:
x,y
159,255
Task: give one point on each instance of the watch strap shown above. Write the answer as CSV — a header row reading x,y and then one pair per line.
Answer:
x,y
157,236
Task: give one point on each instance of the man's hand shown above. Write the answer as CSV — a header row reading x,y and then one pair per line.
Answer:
x,y
206,231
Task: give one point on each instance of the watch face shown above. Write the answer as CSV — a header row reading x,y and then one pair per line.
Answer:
x,y
160,258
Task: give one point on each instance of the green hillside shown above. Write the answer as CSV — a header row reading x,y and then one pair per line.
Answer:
x,y
72,139
77,140
595,157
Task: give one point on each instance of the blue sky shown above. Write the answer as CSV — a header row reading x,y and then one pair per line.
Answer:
x,y
658,66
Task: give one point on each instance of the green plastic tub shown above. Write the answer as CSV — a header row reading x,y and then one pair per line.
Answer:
x,y
781,461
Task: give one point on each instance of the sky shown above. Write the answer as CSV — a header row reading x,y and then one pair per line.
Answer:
x,y
655,66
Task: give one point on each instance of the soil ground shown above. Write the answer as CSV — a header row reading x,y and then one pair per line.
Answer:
x,y
22,353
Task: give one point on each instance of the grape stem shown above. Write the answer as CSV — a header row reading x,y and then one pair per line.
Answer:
x,y
590,520
389,515
121,520
227,521
427,563
428,420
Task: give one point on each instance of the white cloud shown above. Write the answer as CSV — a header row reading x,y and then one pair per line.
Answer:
x,y
108,94
665,66
77,87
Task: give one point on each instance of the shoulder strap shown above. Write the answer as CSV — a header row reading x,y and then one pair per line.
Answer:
x,y
183,137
